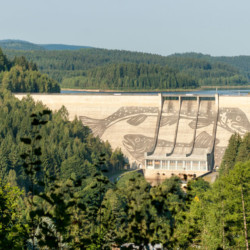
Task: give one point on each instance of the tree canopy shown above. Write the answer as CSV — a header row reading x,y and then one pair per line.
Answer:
x,y
99,68
21,75
55,194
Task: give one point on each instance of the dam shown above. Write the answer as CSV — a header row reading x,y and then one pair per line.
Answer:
x,y
184,135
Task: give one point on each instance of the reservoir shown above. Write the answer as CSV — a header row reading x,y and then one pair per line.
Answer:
x,y
227,92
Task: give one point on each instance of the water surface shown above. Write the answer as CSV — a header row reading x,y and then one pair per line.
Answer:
x,y
230,92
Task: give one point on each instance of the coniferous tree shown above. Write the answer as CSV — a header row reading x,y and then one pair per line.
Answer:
x,y
229,158
5,64
13,231
244,149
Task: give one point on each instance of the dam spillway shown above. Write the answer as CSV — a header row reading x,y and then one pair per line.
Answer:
x,y
164,134
183,147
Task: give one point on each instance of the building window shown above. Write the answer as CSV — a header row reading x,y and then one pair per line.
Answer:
x,y
172,165
149,163
157,164
164,164
179,165
196,165
188,165
203,165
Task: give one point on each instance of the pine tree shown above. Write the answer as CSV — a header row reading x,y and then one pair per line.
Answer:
x,y
229,158
244,149
238,182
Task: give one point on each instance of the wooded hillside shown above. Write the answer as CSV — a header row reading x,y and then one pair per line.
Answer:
x,y
54,194
74,69
21,75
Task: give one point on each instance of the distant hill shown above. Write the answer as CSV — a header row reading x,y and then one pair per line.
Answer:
x,y
19,45
88,67
242,63
24,45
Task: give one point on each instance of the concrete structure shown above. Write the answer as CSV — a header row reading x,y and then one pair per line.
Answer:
x,y
166,134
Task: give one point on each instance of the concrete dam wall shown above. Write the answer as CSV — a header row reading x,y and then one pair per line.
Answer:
x,y
165,134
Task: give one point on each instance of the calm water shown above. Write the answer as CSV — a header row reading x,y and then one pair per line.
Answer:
x,y
200,92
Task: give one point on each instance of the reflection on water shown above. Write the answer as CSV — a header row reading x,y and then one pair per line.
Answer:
x,y
199,92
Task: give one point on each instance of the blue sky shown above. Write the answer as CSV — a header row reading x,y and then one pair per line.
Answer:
x,y
215,27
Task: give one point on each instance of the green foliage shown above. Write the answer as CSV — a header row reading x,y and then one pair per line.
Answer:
x,y
244,149
117,159
238,150
32,169
52,210
5,64
20,75
217,216
240,63
131,76
12,230
20,80
227,208
68,203
197,186
188,232
26,65
113,69
134,223
169,202
72,148
229,158
143,214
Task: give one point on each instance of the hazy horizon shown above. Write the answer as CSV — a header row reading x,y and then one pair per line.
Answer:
x,y
164,27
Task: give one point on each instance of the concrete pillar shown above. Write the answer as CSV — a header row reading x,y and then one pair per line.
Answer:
x,y
160,100
216,102
179,102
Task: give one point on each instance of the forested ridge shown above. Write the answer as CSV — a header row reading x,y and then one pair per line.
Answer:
x,y
21,75
54,189
72,148
24,45
54,193
132,76
242,63
74,69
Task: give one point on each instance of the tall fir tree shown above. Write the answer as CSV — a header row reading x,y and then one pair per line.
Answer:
x,y
230,155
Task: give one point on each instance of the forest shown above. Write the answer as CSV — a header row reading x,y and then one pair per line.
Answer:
x,y
124,70
20,75
55,191
59,197
131,76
